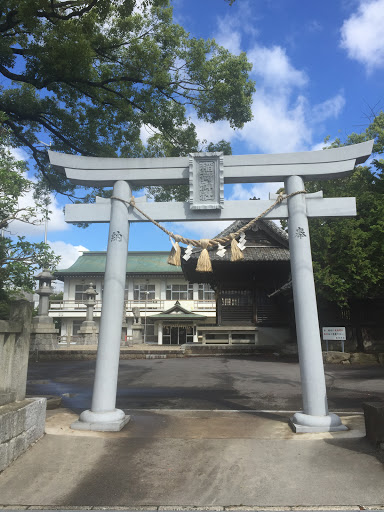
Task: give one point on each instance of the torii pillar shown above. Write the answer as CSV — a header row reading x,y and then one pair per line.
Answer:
x,y
103,415
199,170
315,416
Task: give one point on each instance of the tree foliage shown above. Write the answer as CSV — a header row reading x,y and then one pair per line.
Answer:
x,y
348,253
90,74
19,258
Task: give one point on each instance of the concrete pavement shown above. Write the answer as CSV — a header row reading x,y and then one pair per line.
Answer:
x,y
196,458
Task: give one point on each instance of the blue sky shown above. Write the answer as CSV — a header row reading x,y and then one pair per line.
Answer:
x,y
319,70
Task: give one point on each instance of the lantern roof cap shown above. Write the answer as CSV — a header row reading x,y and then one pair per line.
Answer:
x,y
45,274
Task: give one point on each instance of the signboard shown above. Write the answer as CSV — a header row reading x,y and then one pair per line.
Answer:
x,y
334,333
206,181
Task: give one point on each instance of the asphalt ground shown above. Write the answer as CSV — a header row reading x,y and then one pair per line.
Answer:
x,y
209,383
204,432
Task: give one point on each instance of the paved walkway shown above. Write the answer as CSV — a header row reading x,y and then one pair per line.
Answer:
x,y
145,347
196,458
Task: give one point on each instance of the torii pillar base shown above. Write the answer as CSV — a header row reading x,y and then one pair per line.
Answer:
x,y
111,421
302,423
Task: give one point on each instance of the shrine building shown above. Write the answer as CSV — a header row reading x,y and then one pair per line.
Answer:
x,y
174,305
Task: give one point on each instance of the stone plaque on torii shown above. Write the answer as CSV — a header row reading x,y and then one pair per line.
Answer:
x,y
207,203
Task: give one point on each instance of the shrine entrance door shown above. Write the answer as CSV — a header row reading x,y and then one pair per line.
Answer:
x,y
177,335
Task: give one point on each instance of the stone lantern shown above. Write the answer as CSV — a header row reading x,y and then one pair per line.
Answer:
x,y
89,328
90,302
42,320
43,333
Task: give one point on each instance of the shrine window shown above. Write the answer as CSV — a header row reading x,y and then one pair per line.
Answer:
x,y
79,292
143,292
179,292
206,292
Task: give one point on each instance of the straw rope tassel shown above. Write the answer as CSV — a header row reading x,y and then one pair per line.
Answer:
x,y
236,253
175,256
204,262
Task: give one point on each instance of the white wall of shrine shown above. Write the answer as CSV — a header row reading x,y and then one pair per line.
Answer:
x,y
163,293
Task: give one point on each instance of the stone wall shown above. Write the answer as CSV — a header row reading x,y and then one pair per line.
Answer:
x,y
21,420
14,349
353,358
21,424
43,341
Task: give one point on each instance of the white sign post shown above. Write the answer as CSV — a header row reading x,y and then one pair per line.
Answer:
x,y
334,334
293,168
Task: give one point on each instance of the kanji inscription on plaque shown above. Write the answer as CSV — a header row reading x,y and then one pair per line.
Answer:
x,y
206,181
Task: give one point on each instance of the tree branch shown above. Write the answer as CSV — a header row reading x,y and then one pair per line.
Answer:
x,y
55,132
20,51
55,15
35,152
13,76
8,24
4,222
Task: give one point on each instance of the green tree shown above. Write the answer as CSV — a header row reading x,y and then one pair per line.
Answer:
x,y
19,258
348,253
90,74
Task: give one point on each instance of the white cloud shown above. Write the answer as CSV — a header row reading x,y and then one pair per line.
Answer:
x,y
273,66
68,252
362,34
279,123
230,39
258,190
212,132
146,131
18,153
199,230
284,120
319,146
56,220
231,28
314,26
329,108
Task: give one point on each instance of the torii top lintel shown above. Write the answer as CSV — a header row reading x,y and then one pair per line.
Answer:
x,y
310,165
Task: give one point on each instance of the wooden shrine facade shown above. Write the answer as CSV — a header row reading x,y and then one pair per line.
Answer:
x,y
243,288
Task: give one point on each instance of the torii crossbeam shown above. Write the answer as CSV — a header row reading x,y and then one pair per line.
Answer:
x,y
207,173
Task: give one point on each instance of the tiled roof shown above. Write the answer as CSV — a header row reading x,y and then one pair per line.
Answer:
x,y
254,252
177,317
267,225
138,262
176,313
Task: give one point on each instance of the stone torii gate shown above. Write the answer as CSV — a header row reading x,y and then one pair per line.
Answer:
x,y
206,173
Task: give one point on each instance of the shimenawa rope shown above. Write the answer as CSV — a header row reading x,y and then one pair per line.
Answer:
x,y
204,262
